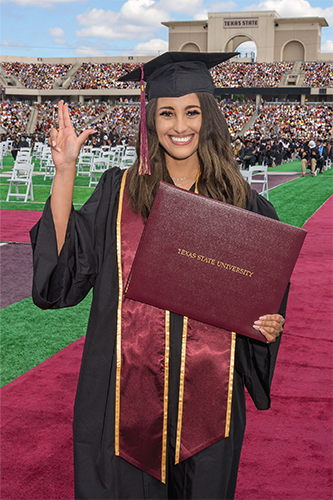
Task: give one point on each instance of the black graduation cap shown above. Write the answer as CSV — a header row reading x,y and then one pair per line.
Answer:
x,y
174,74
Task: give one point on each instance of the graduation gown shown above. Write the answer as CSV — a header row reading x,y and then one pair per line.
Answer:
x,y
89,260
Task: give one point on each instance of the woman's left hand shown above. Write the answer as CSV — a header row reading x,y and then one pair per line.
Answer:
x,y
270,325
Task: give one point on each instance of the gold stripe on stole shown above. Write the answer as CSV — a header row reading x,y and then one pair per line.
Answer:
x,y
182,369
120,302
231,380
181,390
166,396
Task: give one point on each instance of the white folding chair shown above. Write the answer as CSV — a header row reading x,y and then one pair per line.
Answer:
x,y
49,168
24,156
37,150
105,161
21,176
119,151
128,157
84,163
25,150
262,171
98,166
1,158
46,151
246,175
96,152
9,143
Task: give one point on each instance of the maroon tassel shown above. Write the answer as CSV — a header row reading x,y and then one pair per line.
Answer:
x,y
144,164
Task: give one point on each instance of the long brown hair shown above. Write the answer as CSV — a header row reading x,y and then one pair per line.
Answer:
x,y
219,172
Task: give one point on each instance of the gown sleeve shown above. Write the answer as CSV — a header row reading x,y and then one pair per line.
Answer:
x,y
65,280
256,360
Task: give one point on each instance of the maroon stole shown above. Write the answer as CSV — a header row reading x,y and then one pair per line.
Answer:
x,y
206,375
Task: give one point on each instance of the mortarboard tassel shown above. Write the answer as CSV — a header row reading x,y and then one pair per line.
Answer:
x,y
144,164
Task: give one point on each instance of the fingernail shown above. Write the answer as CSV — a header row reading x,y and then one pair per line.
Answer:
x,y
257,322
57,149
256,327
262,317
54,144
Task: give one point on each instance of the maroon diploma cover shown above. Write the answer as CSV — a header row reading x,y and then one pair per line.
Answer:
x,y
213,262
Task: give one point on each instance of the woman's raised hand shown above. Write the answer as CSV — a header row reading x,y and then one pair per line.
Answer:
x,y
64,142
270,325
65,146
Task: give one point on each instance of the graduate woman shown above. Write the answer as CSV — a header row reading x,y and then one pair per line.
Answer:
x,y
160,406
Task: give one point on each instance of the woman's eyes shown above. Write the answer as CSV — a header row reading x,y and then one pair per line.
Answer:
x,y
190,112
166,113
193,112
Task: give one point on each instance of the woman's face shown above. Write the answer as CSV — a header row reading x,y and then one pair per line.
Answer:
x,y
178,122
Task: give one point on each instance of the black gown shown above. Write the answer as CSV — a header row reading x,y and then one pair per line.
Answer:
x,y
88,259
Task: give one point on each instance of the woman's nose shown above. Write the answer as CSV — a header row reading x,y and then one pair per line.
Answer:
x,y
180,125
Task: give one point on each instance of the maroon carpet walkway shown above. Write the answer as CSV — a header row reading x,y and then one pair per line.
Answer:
x,y
16,224
36,429
287,453
16,273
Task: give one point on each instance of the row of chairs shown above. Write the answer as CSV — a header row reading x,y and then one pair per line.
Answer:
x,y
95,161
91,161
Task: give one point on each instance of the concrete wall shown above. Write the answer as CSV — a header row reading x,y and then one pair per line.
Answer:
x,y
276,38
182,33
262,35
306,34
74,60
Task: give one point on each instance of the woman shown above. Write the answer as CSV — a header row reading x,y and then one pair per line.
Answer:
x,y
127,424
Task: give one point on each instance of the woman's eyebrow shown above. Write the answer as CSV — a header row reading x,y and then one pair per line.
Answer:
x,y
187,107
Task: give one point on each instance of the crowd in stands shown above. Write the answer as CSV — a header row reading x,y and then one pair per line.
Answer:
x,y
14,116
102,76
292,120
237,114
36,75
105,76
80,115
233,74
318,74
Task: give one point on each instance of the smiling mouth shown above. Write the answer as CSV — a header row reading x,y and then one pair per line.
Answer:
x,y
181,140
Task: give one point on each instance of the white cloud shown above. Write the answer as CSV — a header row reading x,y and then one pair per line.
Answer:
x,y
327,46
188,7
136,19
294,8
89,51
145,12
154,46
5,43
41,3
223,6
56,32
59,40
202,14
99,32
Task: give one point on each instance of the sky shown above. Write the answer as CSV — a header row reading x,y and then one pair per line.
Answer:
x,y
75,28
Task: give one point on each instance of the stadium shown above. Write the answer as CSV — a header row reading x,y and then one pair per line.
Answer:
x,y
278,104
